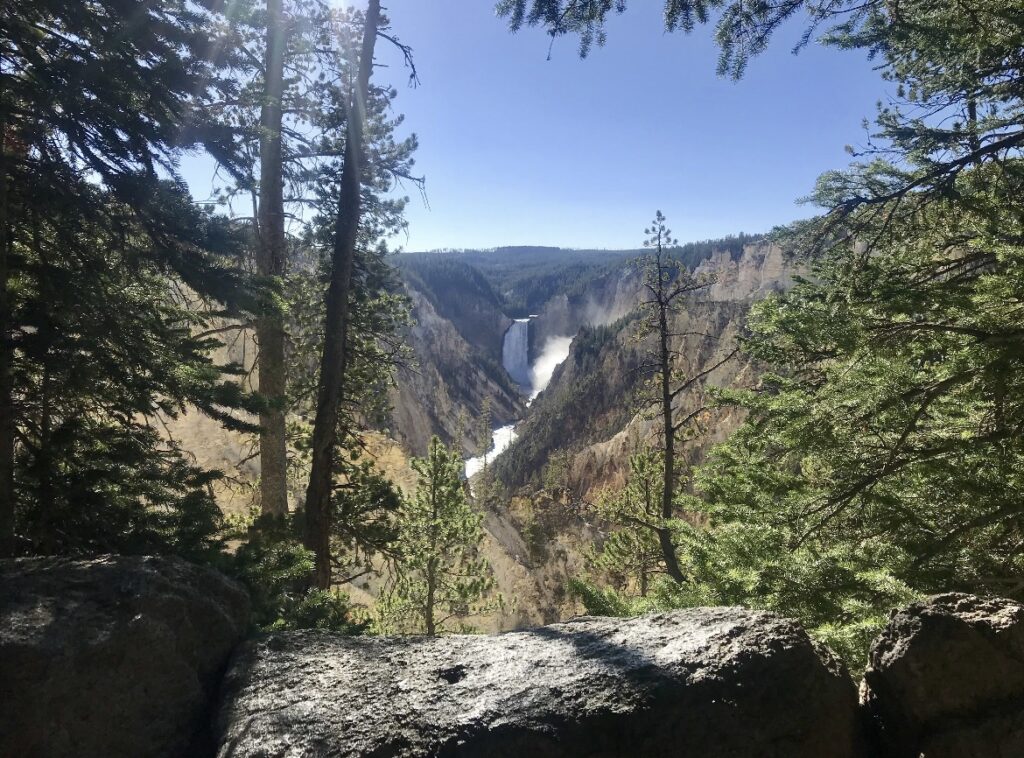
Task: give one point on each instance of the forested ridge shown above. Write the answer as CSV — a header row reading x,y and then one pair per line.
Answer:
x,y
829,444
524,279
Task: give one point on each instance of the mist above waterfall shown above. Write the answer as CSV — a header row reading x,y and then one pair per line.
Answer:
x,y
596,314
554,351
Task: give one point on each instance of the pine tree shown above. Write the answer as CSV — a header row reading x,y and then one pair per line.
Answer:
x,y
742,31
320,52
459,438
271,254
631,555
888,437
669,284
485,429
100,260
440,576
336,326
882,456
275,106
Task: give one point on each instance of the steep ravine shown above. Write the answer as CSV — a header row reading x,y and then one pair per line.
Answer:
x,y
447,385
585,420
575,437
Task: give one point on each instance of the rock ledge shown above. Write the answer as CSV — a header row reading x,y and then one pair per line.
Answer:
x,y
712,682
946,679
114,656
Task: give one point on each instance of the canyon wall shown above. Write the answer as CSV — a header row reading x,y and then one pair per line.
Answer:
x,y
574,439
592,414
447,384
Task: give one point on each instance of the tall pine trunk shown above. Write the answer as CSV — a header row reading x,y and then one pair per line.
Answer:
x,y
317,529
428,612
431,573
6,359
668,549
270,262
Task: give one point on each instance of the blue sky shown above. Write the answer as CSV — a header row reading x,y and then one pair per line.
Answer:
x,y
519,149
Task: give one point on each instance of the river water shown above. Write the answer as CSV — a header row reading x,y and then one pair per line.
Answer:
x,y
502,437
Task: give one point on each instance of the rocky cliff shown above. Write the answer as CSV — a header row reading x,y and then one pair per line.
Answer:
x,y
447,385
710,682
592,414
113,657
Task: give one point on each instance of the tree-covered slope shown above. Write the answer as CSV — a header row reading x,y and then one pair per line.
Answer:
x,y
593,411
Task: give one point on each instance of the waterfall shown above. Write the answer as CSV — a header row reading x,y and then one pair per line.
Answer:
x,y
515,352
515,356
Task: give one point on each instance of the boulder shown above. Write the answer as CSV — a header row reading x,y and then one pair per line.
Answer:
x,y
946,678
115,656
708,682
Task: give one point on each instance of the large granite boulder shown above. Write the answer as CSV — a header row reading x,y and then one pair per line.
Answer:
x,y
116,656
708,682
946,678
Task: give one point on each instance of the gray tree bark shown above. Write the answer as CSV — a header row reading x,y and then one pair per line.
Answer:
x,y
317,527
270,264
668,548
6,369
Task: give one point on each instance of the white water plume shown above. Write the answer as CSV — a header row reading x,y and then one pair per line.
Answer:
x,y
555,350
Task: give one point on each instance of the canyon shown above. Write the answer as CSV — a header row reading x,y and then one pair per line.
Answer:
x,y
566,399
547,365
562,421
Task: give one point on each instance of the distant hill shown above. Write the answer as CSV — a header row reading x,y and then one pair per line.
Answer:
x,y
524,278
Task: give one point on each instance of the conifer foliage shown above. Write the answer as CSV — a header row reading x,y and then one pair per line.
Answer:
x,y
442,579
108,277
117,288
631,555
882,455
668,286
